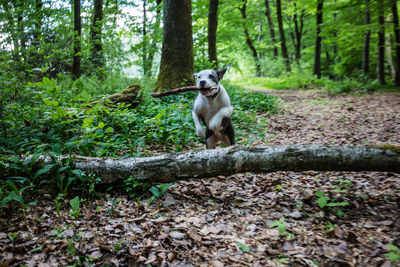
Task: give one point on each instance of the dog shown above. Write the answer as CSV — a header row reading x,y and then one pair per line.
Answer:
x,y
212,106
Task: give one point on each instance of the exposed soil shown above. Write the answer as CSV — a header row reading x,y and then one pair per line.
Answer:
x,y
187,227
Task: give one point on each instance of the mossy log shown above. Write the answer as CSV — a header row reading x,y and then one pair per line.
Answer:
x,y
128,96
237,159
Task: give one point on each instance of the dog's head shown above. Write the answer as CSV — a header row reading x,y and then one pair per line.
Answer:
x,y
208,81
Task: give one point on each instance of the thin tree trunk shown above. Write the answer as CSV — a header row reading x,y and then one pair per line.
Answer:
x,y
249,42
236,159
177,66
388,49
76,64
271,28
153,45
318,39
381,42
95,34
298,32
282,35
212,33
396,31
335,44
367,39
146,67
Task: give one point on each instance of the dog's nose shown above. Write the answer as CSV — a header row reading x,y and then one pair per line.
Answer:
x,y
202,83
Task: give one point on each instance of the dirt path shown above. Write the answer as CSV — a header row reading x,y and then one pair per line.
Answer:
x,y
257,220
314,117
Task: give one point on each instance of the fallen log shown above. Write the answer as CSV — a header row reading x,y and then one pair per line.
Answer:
x,y
176,91
237,159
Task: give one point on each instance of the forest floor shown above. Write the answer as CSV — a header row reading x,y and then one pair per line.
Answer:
x,y
188,227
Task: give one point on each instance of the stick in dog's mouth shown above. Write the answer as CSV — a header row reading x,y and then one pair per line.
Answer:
x,y
207,90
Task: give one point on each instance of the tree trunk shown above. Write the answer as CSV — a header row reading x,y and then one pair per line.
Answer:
x,y
318,40
249,42
335,44
298,32
76,64
95,34
367,39
396,31
388,50
212,33
146,67
271,28
282,35
176,68
149,56
237,159
381,42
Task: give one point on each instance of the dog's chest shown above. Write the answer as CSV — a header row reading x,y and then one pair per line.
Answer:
x,y
206,109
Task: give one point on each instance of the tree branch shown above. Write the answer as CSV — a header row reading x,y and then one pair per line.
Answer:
x,y
176,91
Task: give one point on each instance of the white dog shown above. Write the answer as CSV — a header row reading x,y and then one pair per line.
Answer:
x,y
213,107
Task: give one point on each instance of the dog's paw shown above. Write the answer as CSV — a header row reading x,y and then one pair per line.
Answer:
x,y
201,133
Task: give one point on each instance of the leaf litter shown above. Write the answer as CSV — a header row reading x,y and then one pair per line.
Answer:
x,y
256,220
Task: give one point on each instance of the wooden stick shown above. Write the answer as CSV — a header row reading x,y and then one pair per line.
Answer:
x,y
176,91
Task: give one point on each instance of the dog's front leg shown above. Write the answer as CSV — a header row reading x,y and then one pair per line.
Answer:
x,y
199,128
216,121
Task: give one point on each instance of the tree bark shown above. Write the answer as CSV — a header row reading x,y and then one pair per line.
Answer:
x,y
76,62
367,39
237,159
396,31
282,35
249,42
318,39
95,34
381,42
177,66
271,28
212,33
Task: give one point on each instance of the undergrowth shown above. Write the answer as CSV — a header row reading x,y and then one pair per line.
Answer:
x,y
299,80
62,117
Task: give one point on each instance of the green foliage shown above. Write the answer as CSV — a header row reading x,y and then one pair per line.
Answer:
x,y
75,207
158,191
394,253
280,224
324,201
243,247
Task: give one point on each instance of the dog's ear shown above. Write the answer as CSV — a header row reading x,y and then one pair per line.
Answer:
x,y
221,73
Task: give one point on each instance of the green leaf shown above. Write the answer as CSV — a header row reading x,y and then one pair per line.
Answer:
x,y
393,247
322,201
71,248
87,122
155,191
46,169
319,194
38,249
243,247
338,204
